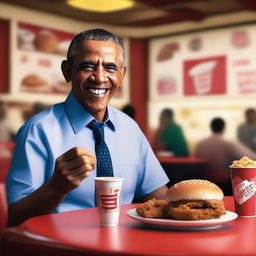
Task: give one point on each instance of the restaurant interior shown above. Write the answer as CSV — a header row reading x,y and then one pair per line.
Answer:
x,y
163,41
195,57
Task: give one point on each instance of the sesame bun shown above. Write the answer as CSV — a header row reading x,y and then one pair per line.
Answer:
x,y
194,190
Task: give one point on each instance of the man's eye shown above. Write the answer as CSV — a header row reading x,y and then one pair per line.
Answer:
x,y
111,68
87,67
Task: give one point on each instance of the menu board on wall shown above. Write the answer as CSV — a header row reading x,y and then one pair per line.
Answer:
x,y
40,53
213,62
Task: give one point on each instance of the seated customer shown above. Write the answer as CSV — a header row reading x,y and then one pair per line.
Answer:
x,y
220,154
246,132
169,135
6,132
61,150
129,110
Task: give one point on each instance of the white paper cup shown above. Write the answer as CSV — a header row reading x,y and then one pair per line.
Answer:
x,y
26,39
109,193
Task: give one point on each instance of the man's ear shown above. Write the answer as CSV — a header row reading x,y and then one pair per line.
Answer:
x,y
123,72
66,71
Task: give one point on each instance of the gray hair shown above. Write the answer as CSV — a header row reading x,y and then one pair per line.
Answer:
x,y
93,34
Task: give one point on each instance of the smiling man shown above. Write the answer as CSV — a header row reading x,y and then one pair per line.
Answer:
x,y
55,163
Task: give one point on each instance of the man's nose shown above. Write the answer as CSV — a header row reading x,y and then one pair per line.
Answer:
x,y
99,75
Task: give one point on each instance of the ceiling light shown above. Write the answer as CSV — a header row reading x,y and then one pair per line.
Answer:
x,y
101,5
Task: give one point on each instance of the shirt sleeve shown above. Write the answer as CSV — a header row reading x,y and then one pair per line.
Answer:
x,y
29,162
152,176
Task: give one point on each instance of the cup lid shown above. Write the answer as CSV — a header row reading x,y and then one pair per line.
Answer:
x,y
109,178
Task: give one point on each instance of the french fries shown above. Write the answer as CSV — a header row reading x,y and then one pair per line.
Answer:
x,y
244,162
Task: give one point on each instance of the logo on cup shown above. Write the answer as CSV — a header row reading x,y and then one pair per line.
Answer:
x,y
244,190
110,201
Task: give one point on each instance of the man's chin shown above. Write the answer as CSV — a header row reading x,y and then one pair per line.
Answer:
x,y
98,111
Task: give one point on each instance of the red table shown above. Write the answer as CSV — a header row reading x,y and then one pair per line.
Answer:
x,y
79,233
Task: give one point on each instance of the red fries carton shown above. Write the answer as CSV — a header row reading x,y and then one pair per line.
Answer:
x,y
243,174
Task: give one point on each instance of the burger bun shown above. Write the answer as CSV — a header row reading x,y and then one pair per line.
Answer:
x,y
194,190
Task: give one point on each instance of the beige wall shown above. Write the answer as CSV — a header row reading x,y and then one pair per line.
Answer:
x,y
193,114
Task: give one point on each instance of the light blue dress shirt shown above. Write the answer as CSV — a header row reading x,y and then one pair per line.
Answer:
x,y
49,134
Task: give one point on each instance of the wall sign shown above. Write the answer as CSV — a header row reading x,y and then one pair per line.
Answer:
x,y
213,62
40,53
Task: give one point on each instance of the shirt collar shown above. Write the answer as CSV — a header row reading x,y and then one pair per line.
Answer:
x,y
79,117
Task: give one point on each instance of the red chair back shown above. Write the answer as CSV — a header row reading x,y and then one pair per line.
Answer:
x,y
3,207
4,167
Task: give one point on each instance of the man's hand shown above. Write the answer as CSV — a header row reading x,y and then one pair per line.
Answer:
x,y
71,168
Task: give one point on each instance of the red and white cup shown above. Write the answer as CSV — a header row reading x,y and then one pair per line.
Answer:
x,y
244,187
109,194
202,76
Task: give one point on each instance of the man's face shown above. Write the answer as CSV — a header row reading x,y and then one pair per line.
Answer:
x,y
96,72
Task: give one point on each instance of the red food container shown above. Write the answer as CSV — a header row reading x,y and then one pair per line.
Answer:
x,y
244,187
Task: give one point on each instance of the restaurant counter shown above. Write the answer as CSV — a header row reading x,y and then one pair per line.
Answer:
x,y
79,233
182,168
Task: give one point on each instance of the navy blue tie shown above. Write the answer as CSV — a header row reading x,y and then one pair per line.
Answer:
x,y
104,163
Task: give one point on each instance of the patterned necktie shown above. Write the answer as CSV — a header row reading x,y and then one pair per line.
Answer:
x,y
104,163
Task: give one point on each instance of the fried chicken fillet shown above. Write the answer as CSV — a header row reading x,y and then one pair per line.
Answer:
x,y
152,208
187,200
194,209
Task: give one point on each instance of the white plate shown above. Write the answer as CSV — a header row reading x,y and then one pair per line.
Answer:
x,y
183,224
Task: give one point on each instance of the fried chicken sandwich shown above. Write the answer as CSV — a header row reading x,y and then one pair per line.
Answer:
x,y
194,200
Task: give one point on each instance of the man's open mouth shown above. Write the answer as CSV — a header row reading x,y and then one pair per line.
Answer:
x,y
97,91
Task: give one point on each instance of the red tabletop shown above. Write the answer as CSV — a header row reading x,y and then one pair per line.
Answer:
x,y
80,229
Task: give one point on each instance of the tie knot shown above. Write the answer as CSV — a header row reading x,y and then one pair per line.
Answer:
x,y
97,129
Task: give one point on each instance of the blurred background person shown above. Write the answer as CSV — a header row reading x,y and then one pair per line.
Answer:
x,y
246,132
129,110
38,107
6,133
169,135
35,108
220,154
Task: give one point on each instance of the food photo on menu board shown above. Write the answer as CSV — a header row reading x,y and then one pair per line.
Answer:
x,y
244,66
166,59
41,51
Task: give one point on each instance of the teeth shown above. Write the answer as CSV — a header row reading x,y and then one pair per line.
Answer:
x,y
97,91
